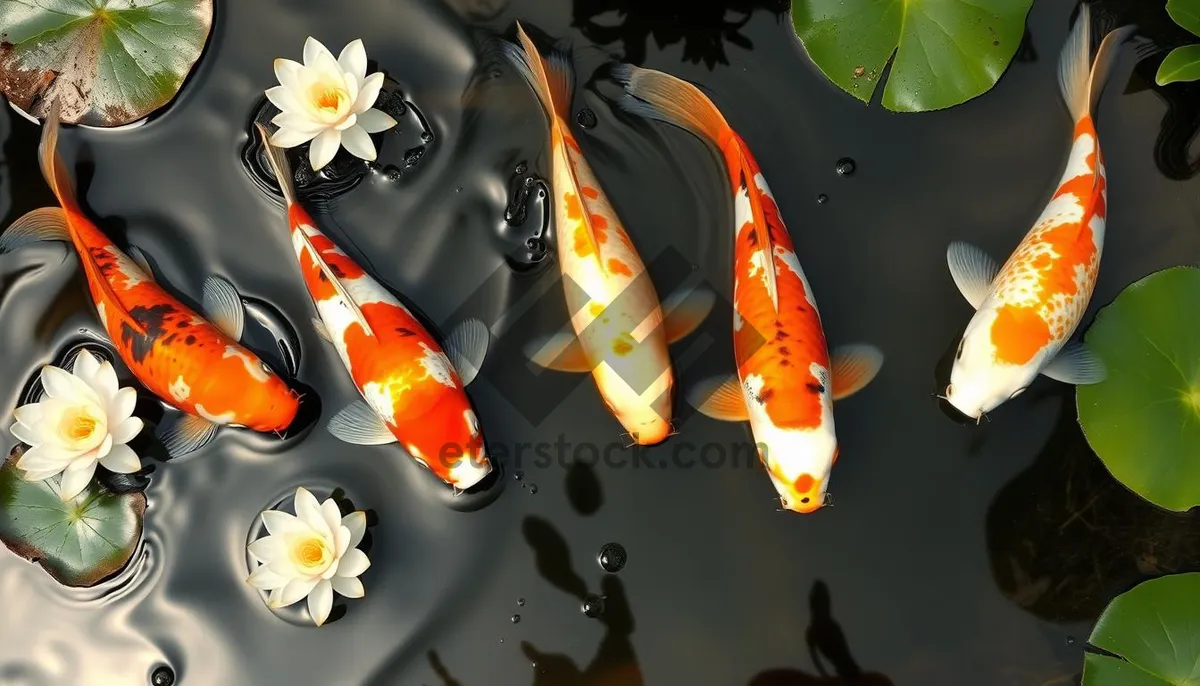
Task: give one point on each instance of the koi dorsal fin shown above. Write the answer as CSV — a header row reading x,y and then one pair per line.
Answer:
x,y
335,281
764,230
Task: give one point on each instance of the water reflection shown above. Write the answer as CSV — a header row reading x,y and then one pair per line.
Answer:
x,y
1064,537
703,25
823,637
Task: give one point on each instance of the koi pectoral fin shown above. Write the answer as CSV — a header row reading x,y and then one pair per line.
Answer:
x,y
561,352
466,346
359,424
973,271
188,434
139,257
1076,364
321,329
43,224
720,397
685,310
224,307
853,367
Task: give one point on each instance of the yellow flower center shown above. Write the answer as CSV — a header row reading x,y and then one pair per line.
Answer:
x,y
328,97
310,554
80,427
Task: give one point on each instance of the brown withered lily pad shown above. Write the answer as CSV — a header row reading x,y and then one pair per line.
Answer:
x,y
80,542
110,62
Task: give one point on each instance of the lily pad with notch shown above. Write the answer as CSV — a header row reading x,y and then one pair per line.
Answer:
x,y
110,63
80,542
946,52
1143,420
1152,635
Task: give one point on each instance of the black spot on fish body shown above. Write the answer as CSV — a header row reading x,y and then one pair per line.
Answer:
x,y
815,388
190,340
780,335
785,363
181,324
337,271
170,339
405,332
752,237
784,351
152,320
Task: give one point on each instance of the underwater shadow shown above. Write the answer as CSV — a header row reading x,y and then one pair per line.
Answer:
x,y
824,636
28,191
1064,537
704,26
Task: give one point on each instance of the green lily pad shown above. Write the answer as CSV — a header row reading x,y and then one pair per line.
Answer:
x,y
1181,64
80,542
947,52
1143,420
110,62
1186,13
1154,630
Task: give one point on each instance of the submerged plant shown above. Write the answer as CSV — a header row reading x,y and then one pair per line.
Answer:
x,y
945,52
1182,63
85,419
310,554
108,63
329,102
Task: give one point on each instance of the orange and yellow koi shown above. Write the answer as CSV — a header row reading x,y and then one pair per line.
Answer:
x,y
1028,309
620,333
786,381
412,393
194,366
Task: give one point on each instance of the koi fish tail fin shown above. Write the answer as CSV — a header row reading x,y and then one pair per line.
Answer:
x,y
277,159
655,95
1081,78
551,77
54,169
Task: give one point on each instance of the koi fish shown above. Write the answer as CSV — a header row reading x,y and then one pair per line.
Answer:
x,y
620,333
1026,311
412,392
193,366
786,380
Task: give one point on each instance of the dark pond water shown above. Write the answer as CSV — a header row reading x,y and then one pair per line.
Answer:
x,y
953,554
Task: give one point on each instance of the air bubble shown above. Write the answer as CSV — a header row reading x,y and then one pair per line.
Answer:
x,y
592,606
845,166
586,118
612,557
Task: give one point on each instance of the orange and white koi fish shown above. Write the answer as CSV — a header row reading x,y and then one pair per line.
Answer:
x,y
620,333
786,381
1028,309
194,366
411,391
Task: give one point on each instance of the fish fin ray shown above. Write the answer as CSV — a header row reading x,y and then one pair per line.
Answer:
x,y
657,95
277,159
1076,364
720,397
466,346
853,367
224,307
189,433
973,271
139,258
321,329
36,226
335,282
359,424
1081,79
551,77
685,310
561,352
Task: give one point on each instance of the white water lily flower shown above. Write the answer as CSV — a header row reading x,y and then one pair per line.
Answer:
x,y
328,101
84,419
312,553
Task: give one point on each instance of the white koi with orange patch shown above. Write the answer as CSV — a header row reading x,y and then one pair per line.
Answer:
x,y
411,391
620,333
786,381
1027,310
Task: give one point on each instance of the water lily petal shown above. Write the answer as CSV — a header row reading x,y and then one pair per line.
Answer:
x,y
105,446
284,98
51,446
284,566
288,73
127,430
368,93
356,522
24,433
39,459
104,381
76,478
324,148
348,586
295,590
122,407
268,548
41,474
332,517
85,366
309,512
62,385
281,523
352,87
274,596
331,570
313,48
374,121
353,59
354,562
358,143
290,138
318,57
349,121
341,536
29,415
121,459
267,580
320,602
298,121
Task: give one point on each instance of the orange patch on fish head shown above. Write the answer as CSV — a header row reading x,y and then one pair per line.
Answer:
x,y
979,380
1018,333
267,406
805,494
